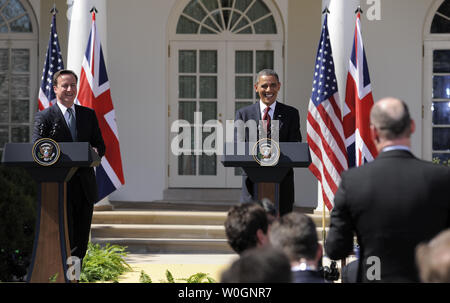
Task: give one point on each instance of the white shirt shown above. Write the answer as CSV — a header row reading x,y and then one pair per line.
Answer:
x,y
262,108
64,111
396,147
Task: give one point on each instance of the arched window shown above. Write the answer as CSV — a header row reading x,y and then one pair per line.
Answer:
x,y
18,55
437,84
216,49
239,17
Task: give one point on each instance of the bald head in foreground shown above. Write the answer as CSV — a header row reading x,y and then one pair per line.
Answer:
x,y
392,203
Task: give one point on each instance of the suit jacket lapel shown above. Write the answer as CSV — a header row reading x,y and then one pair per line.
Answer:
x,y
279,114
62,122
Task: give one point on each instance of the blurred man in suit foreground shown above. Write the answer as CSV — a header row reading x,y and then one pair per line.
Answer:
x,y
392,203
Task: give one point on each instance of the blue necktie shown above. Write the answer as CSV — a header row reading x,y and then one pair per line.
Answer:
x,y
72,124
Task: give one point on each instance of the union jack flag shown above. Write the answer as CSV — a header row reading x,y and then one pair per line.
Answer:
x,y
358,103
53,63
325,133
95,93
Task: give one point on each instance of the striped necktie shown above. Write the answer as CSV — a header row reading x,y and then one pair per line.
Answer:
x,y
72,123
266,121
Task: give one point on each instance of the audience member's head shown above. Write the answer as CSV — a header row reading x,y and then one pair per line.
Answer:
x,y
246,227
259,265
270,209
433,259
391,123
296,235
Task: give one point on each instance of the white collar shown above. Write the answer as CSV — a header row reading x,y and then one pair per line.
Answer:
x,y
262,107
64,109
396,147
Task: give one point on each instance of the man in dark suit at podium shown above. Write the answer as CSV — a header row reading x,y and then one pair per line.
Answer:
x,y
392,203
268,108
68,122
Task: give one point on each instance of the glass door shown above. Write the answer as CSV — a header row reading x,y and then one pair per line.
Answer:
x,y
436,134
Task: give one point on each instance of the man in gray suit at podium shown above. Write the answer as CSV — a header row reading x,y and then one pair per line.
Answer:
x,y
268,108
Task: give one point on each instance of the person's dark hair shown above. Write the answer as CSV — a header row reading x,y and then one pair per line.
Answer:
x,y
259,265
267,72
390,126
296,234
242,223
63,72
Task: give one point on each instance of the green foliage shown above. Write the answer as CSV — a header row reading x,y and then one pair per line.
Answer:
x,y
104,263
18,218
436,160
144,278
199,278
195,278
169,277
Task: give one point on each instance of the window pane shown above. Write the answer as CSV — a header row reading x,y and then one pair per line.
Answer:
x,y
210,5
234,18
4,91
441,138
441,87
20,87
4,138
187,61
20,60
4,111
21,25
208,87
211,24
13,9
20,134
241,25
266,26
441,61
208,61
194,10
4,59
186,110
440,25
258,10
186,26
186,165
187,87
247,30
20,111
244,87
441,113
242,4
207,31
244,62
208,165
264,59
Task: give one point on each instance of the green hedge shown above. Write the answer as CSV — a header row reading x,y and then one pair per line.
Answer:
x,y
17,216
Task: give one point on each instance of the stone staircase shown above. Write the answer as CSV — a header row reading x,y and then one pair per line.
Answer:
x,y
168,228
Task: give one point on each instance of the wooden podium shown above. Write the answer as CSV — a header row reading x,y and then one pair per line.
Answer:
x,y
267,178
51,247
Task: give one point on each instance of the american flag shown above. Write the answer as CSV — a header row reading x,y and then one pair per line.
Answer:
x,y
358,103
95,93
53,63
325,134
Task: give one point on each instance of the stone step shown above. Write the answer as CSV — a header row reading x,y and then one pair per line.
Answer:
x,y
169,245
159,217
173,217
158,231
